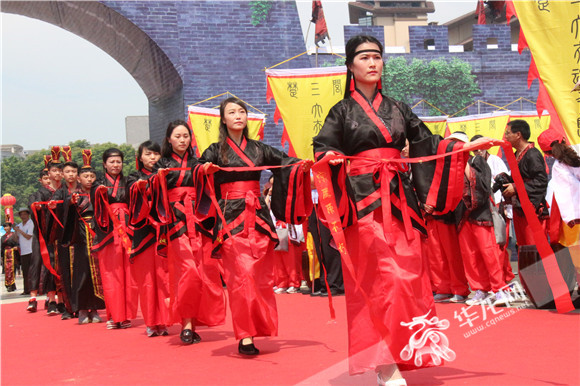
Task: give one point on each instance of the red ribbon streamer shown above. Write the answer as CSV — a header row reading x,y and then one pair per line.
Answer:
x,y
43,249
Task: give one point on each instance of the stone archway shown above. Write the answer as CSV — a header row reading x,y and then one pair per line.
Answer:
x,y
123,41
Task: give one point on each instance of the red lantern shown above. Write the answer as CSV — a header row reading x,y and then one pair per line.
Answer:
x,y
7,201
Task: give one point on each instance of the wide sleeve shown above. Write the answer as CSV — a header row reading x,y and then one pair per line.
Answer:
x,y
291,197
438,183
211,154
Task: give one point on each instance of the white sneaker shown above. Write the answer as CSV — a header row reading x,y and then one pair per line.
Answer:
x,y
502,299
293,290
280,290
477,298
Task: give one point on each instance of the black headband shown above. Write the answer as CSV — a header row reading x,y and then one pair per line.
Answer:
x,y
369,50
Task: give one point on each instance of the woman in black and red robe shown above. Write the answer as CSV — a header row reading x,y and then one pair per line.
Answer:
x,y
248,236
382,216
112,242
148,268
196,296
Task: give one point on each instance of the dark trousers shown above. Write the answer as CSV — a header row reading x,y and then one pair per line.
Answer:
x,y
34,267
328,256
25,261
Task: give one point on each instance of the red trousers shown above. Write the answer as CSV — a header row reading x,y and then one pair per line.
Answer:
x,y
249,277
150,274
445,261
481,257
508,274
395,279
288,266
524,234
119,289
195,281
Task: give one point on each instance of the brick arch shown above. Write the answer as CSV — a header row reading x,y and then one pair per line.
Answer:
x,y
123,41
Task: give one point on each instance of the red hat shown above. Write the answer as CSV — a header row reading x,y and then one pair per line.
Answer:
x,y
66,153
47,159
55,155
87,158
548,137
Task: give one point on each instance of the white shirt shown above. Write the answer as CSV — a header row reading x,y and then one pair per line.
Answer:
x,y
25,245
565,186
497,166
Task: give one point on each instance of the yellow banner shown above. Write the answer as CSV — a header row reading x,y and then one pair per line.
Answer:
x,y
489,125
205,124
303,98
437,125
493,124
552,32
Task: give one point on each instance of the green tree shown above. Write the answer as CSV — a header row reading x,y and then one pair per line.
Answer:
x,y
449,85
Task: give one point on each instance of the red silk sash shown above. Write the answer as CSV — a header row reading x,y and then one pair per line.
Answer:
x,y
43,248
248,190
555,279
386,173
105,212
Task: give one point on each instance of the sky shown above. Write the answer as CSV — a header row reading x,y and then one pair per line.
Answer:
x,y
57,87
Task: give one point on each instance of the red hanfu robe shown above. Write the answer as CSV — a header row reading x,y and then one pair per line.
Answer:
x,y
149,269
384,239
195,287
118,286
248,254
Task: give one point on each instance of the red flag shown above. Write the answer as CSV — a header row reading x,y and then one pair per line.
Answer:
x,y
321,31
480,12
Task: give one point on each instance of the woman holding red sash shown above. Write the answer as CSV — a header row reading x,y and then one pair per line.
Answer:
x,y
382,217
248,237
195,289
149,269
112,242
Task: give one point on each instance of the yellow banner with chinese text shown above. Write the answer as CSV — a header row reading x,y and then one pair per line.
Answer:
x,y
552,33
303,98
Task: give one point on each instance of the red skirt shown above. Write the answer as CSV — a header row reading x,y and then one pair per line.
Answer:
x,y
396,280
149,271
197,288
249,277
119,289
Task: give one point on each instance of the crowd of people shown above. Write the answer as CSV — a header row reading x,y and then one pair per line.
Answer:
x,y
394,237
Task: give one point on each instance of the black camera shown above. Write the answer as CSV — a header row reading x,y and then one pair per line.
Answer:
x,y
500,180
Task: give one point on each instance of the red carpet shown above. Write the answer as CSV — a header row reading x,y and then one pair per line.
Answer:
x,y
526,347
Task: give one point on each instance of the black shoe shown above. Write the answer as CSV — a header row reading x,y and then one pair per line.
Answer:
x,y
66,316
333,292
189,337
31,306
317,293
61,308
247,349
52,309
